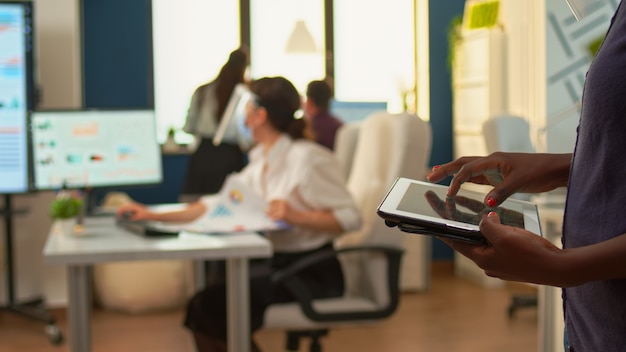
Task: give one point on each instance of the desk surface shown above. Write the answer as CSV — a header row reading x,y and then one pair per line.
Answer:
x,y
102,241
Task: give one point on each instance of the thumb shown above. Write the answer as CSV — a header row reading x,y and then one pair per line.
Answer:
x,y
489,226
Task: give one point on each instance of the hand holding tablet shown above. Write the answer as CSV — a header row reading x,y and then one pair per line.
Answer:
x,y
424,208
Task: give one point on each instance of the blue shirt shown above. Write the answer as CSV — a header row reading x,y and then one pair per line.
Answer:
x,y
595,312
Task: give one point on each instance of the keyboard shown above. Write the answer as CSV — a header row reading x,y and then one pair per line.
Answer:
x,y
146,228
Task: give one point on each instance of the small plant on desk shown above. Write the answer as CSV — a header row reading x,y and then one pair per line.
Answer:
x,y
65,210
65,206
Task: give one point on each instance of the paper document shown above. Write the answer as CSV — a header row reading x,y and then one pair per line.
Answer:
x,y
236,208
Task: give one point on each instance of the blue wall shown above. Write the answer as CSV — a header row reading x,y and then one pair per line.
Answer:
x,y
118,73
117,54
440,15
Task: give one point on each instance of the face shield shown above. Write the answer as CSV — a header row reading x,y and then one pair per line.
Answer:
x,y
582,8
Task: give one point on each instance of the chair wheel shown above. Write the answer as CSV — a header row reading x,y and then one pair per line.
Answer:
x,y
54,334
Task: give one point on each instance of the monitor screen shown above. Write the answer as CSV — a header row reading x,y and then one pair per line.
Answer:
x,y
232,127
354,111
15,94
95,148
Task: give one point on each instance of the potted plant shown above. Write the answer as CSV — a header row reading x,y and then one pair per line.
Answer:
x,y
65,210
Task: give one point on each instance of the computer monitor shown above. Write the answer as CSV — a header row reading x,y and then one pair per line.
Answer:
x,y
94,148
354,111
232,127
16,94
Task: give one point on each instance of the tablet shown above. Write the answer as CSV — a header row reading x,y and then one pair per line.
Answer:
x,y
424,208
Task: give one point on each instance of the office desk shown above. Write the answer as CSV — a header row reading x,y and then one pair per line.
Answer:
x,y
101,241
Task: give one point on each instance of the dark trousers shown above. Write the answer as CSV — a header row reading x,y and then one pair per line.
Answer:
x,y
206,311
209,165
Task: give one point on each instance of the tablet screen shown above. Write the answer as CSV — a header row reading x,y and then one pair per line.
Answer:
x,y
466,207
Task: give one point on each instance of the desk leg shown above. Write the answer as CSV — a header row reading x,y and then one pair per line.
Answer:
x,y
79,308
238,294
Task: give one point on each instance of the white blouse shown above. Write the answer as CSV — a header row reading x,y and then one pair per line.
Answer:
x,y
200,120
309,178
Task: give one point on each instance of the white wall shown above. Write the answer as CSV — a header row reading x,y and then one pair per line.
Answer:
x,y
57,45
525,30
57,55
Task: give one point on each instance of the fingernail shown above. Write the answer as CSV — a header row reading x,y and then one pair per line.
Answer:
x,y
491,213
491,202
435,167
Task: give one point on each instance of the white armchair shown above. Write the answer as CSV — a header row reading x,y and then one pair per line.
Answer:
x,y
507,133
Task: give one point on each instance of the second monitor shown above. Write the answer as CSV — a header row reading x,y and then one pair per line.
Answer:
x,y
94,148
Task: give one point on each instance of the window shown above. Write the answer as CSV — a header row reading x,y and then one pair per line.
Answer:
x,y
374,51
192,40
289,42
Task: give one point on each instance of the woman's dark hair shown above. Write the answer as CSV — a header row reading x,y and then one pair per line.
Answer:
x,y
230,75
281,100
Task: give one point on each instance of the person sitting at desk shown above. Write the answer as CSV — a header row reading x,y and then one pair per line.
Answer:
x,y
303,186
323,124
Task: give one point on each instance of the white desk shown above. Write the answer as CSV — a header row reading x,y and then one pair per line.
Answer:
x,y
101,241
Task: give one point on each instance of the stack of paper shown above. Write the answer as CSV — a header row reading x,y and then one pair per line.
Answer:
x,y
235,208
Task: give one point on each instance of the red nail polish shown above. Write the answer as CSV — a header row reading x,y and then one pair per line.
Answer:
x,y
435,167
491,202
491,213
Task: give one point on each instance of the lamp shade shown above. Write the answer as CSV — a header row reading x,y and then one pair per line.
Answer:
x,y
300,40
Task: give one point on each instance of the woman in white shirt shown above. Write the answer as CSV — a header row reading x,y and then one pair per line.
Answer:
x,y
304,187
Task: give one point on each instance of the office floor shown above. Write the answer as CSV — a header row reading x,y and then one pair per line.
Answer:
x,y
455,316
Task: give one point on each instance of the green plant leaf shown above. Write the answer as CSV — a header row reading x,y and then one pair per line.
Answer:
x,y
65,208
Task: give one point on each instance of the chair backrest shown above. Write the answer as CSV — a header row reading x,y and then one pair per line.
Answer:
x,y
388,146
507,134
345,144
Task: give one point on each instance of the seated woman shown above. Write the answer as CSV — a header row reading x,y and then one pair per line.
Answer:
x,y
303,185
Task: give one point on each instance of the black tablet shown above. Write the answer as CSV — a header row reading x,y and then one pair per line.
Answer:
x,y
424,208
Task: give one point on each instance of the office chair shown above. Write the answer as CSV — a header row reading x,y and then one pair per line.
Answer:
x,y
508,133
414,271
388,146
345,144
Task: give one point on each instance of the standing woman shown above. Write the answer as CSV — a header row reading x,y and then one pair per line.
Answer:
x,y
210,164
